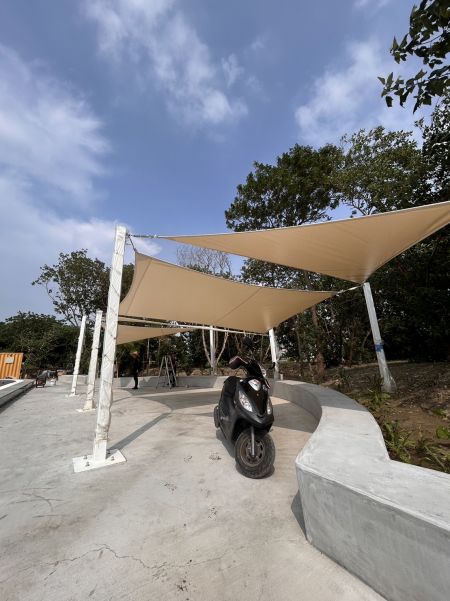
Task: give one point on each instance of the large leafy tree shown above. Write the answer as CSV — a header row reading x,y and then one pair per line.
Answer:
x,y
297,189
78,285
428,39
436,153
380,171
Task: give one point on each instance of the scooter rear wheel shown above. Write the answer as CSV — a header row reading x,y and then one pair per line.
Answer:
x,y
261,464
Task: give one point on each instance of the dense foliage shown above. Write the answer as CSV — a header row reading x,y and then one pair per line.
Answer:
x,y
371,171
46,342
78,285
428,39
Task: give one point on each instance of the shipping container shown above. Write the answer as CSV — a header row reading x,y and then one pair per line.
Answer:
x,y
10,365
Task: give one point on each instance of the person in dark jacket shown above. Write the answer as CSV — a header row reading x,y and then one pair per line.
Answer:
x,y
135,367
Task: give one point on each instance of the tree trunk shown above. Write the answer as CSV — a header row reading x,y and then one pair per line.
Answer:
x,y
205,348
225,338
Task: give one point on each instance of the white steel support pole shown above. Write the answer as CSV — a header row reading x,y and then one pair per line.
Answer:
x,y
89,404
212,350
99,456
388,382
73,391
274,354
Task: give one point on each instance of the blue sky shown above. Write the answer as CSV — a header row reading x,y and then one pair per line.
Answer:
x,y
151,112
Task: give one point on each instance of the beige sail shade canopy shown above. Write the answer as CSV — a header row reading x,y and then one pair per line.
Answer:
x,y
349,249
164,291
126,333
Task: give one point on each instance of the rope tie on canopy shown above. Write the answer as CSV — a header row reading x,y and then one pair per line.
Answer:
x,y
128,238
145,236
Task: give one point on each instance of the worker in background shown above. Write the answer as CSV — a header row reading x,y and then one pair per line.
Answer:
x,y
135,367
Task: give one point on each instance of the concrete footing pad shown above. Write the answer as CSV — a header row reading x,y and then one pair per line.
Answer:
x,y
86,462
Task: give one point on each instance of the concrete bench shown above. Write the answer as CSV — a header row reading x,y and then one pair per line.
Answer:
x,y
385,521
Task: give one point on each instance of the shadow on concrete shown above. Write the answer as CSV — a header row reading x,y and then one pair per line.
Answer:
x,y
126,441
287,416
173,400
227,445
297,510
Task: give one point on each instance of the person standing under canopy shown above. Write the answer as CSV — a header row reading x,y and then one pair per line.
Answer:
x,y
135,367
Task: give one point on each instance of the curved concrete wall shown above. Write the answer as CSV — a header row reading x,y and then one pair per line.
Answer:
x,y
14,389
187,381
385,521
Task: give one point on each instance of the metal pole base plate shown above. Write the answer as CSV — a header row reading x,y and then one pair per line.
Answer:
x,y
86,462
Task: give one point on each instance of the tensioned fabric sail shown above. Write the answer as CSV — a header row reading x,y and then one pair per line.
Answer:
x,y
349,249
126,333
161,290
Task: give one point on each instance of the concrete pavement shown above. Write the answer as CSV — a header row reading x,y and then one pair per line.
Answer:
x,y
175,522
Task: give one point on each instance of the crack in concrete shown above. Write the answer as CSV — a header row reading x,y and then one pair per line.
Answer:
x,y
102,547
58,562
108,548
41,497
36,497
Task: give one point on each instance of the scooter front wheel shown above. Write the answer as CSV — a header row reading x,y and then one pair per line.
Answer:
x,y
259,465
216,416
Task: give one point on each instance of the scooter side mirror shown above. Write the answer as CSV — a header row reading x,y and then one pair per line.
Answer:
x,y
236,362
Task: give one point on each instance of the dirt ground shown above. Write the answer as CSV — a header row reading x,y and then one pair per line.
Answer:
x,y
412,418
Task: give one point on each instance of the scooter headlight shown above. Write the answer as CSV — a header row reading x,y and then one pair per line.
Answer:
x,y
269,406
244,401
255,384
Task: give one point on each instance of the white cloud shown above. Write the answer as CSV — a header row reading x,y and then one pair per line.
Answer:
x,y
346,99
232,69
166,51
47,133
31,236
51,151
374,5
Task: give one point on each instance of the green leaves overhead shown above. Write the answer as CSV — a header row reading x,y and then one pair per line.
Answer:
x,y
429,40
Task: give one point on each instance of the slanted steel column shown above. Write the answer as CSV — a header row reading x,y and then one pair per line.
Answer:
x,y
212,350
388,382
89,404
109,348
100,456
73,391
274,354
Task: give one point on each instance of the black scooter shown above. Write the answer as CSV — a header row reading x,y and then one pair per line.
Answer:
x,y
245,416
